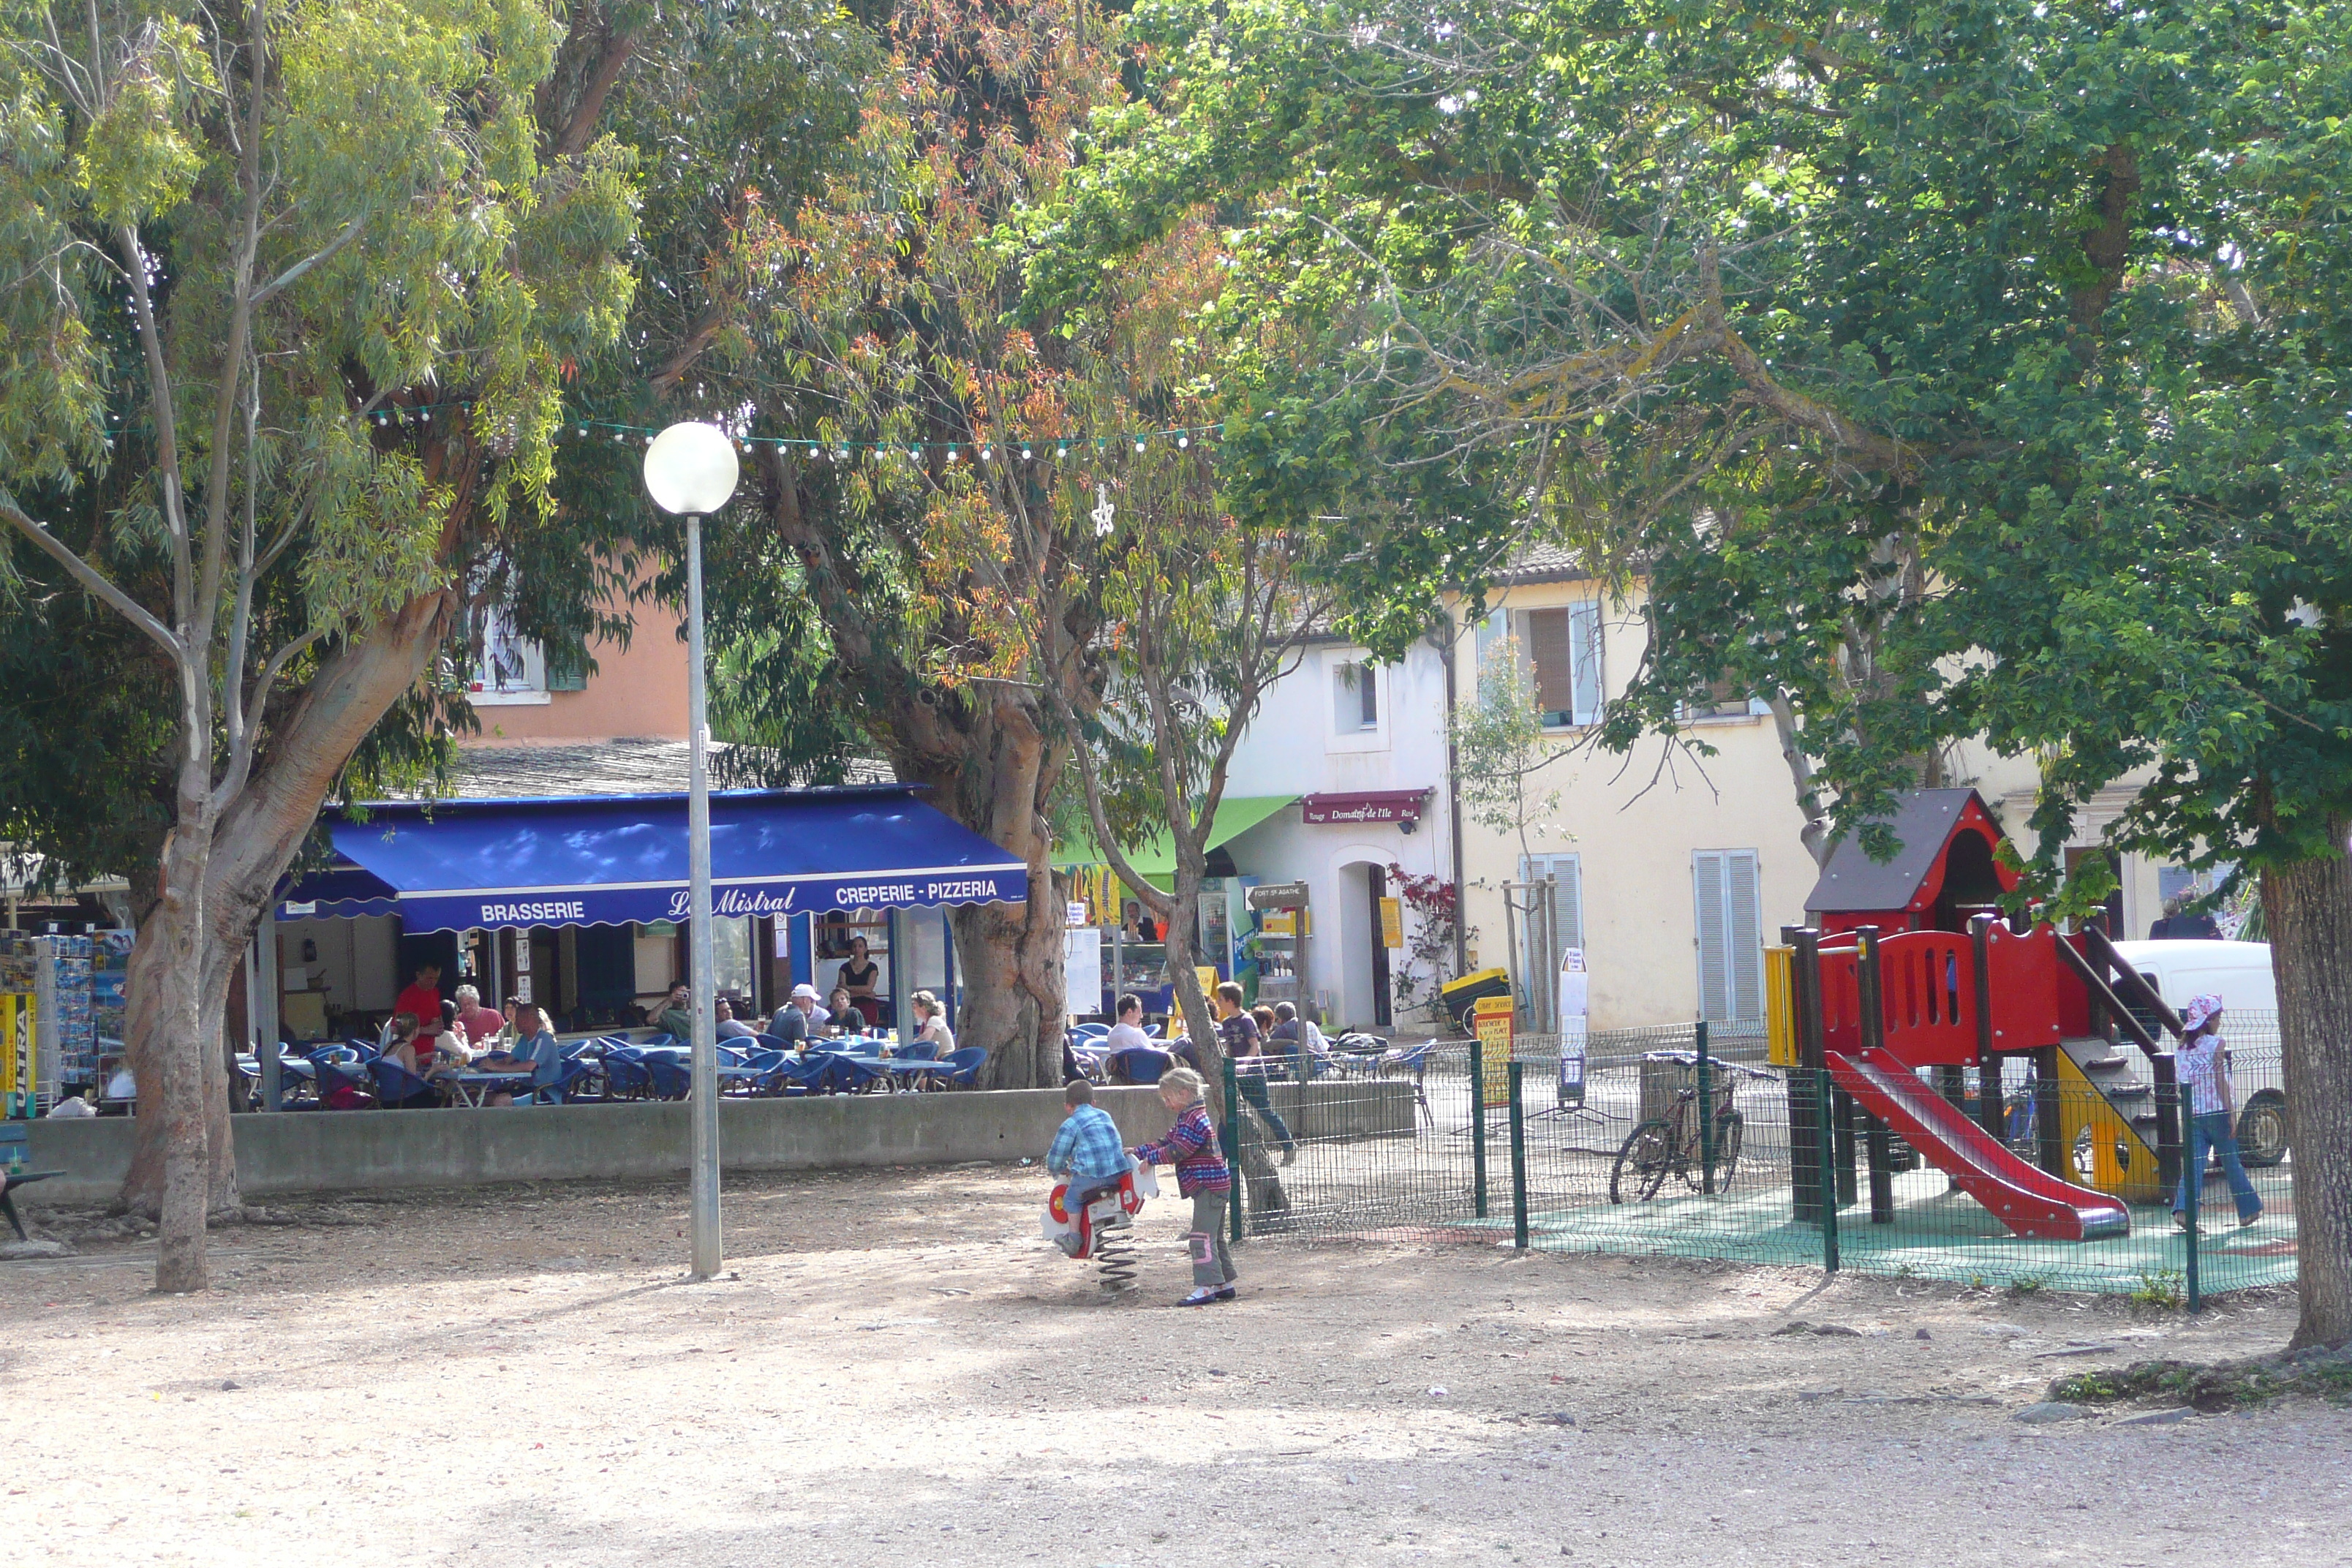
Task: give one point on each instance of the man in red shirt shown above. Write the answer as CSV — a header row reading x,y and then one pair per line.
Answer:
x,y
424,999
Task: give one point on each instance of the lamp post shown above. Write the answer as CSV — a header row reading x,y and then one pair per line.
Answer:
x,y
690,470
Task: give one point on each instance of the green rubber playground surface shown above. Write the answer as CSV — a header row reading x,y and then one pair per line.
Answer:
x,y
1936,1235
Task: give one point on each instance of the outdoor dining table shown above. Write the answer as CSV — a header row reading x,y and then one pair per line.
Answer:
x,y
474,1088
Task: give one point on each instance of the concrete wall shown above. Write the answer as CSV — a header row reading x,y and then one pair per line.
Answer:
x,y
325,1152
343,1150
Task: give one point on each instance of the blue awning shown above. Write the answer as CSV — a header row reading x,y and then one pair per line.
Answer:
x,y
607,861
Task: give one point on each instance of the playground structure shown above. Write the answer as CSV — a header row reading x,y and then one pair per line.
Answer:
x,y
1877,1012
1103,1232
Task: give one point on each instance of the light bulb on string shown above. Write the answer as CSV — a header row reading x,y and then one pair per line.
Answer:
x,y
984,452
1183,442
1062,451
1024,454
1138,443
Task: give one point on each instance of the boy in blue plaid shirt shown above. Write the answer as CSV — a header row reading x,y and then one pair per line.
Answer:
x,y
1088,1150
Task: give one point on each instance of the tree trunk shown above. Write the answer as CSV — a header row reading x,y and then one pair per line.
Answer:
x,y
173,1055
1008,961
1008,957
2308,908
254,842
1250,1137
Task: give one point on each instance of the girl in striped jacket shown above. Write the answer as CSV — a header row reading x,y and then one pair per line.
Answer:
x,y
1201,1175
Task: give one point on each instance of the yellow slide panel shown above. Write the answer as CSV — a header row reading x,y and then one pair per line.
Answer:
x,y
2122,1165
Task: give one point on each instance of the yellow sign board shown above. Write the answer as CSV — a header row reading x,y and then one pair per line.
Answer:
x,y
1286,922
1207,973
1393,922
1490,1020
17,1053
1780,1007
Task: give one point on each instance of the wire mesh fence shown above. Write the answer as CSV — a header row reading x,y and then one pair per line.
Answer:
x,y
1683,1142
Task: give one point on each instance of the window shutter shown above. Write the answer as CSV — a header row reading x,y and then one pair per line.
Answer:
x,y
1491,630
1568,909
1368,687
566,673
1744,935
1584,643
1549,646
1707,890
1730,935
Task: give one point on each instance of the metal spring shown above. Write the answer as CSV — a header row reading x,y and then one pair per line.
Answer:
x,y
1115,1252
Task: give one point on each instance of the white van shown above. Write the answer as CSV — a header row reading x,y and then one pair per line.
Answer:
x,y
2239,972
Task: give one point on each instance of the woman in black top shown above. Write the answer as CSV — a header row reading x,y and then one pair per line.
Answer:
x,y
859,974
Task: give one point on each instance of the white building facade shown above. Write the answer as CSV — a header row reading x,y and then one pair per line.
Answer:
x,y
1361,746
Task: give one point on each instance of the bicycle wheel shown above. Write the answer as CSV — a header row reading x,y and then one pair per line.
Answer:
x,y
1727,1149
1642,1163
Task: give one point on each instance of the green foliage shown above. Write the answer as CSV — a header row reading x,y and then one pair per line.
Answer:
x,y
2164,1288
420,274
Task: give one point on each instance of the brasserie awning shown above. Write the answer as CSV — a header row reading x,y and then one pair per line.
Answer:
x,y
606,860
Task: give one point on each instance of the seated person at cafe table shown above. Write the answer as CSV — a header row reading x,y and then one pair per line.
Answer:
x,y
730,1027
673,1016
482,1025
454,1050
844,1014
400,1043
930,1026
801,1020
422,1002
535,1052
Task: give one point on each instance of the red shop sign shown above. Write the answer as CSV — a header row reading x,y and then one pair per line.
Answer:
x,y
1369,805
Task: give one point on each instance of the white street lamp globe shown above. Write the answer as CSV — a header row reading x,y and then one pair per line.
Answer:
x,y
690,469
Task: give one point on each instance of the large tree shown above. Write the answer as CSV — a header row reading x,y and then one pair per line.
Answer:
x,y
1947,370
807,209
293,291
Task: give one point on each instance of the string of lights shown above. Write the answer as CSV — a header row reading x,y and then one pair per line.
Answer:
x,y
575,430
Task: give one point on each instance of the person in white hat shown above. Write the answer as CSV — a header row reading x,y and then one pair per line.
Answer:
x,y
2203,1064
801,1020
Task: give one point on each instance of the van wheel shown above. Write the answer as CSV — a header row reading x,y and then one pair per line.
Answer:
x,y
2261,1130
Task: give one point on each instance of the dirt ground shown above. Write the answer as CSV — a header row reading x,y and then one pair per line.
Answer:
x,y
899,1370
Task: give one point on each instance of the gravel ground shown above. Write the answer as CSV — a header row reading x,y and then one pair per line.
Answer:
x,y
898,1370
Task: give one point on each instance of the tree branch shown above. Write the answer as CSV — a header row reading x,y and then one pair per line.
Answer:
x,y
90,577
293,274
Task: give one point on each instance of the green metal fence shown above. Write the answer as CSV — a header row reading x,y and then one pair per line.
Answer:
x,y
1607,1148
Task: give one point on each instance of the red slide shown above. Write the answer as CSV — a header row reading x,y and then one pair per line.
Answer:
x,y
2028,1200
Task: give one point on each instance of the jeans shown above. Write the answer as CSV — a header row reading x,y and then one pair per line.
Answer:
x,y
1212,1266
2213,1131
1253,1088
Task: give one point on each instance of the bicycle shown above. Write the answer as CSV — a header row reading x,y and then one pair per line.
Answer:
x,y
1668,1145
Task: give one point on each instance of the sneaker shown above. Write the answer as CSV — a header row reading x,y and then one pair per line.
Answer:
x,y
1199,1297
2250,1219
1290,1155
2179,1220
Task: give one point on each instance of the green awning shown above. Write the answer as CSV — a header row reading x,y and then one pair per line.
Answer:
x,y
1155,858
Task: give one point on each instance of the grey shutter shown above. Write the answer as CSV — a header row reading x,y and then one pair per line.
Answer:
x,y
1707,890
1368,707
1568,909
1491,630
1584,651
1730,935
1744,935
